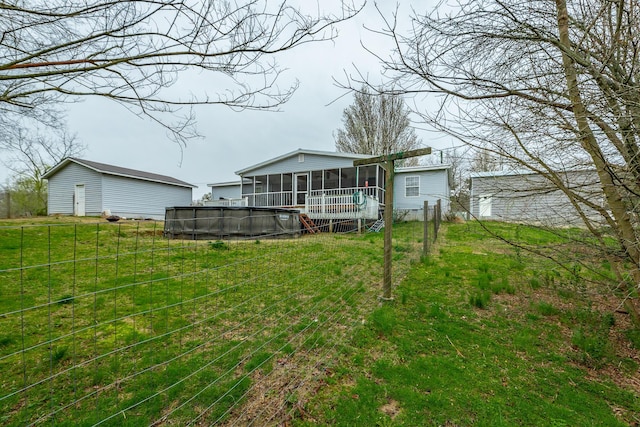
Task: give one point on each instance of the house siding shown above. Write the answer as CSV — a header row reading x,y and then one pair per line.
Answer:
x,y
434,182
226,192
311,162
434,186
133,198
61,188
532,198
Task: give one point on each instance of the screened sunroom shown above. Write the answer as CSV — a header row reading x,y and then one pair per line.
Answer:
x,y
321,193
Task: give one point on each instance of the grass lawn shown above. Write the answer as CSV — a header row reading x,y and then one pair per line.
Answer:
x,y
481,334
113,324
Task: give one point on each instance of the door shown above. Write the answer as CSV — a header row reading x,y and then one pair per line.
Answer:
x,y
484,206
301,189
79,200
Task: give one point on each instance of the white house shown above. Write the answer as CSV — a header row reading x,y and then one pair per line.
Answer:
x,y
86,188
326,185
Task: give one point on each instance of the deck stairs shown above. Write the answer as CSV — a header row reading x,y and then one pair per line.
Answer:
x,y
308,224
377,226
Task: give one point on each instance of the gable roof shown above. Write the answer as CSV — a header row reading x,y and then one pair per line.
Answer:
x,y
117,171
500,173
227,184
422,168
302,151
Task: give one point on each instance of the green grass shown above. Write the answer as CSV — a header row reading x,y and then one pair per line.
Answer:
x,y
477,341
478,334
113,322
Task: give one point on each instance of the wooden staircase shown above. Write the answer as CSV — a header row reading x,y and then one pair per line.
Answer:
x,y
377,226
308,224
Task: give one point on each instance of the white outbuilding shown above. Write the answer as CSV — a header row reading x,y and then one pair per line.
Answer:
x,y
85,188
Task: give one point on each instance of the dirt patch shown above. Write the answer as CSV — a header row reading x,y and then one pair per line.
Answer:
x,y
279,396
391,408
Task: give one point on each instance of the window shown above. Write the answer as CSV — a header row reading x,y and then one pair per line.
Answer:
x,y
331,179
316,180
412,186
301,158
347,177
260,184
286,182
367,176
275,184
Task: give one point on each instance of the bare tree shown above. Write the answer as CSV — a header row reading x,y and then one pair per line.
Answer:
x,y
548,87
132,52
29,156
460,169
376,124
484,161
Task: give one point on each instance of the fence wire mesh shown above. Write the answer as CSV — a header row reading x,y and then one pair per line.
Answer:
x,y
115,324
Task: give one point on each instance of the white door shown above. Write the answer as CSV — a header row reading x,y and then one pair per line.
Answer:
x,y
484,206
78,200
301,188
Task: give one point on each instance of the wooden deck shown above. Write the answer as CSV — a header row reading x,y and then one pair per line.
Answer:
x,y
354,205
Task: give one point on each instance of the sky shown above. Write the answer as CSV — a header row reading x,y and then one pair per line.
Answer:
x,y
233,140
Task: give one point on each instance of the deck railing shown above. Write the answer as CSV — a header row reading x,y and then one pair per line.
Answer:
x,y
355,202
228,202
369,191
357,206
278,199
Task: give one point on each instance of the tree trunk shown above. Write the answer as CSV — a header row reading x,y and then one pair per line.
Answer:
x,y
625,231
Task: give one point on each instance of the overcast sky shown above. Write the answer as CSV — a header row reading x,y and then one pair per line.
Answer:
x,y
234,140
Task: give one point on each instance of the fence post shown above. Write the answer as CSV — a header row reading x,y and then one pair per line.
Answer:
x,y
425,238
388,226
389,162
436,219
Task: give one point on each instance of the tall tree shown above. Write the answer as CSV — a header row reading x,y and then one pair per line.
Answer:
x,y
547,86
29,155
376,124
132,52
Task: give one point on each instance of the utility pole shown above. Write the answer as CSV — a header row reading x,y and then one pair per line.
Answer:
x,y
389,164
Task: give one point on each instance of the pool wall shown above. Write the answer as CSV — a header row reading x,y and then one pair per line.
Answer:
x,y
223,222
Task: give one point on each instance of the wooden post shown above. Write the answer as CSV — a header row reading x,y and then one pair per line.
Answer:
x,y
388,161
436,219
425,238
388,227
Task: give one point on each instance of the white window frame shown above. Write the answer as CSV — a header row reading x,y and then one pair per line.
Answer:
x,y
412,186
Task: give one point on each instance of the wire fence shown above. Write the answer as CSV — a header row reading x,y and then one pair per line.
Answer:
x,y
115,324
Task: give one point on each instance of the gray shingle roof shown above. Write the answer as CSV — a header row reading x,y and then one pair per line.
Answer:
x,y
119,171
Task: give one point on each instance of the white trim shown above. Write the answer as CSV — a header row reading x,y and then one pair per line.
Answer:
x,y
79,208
410,169
294,186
